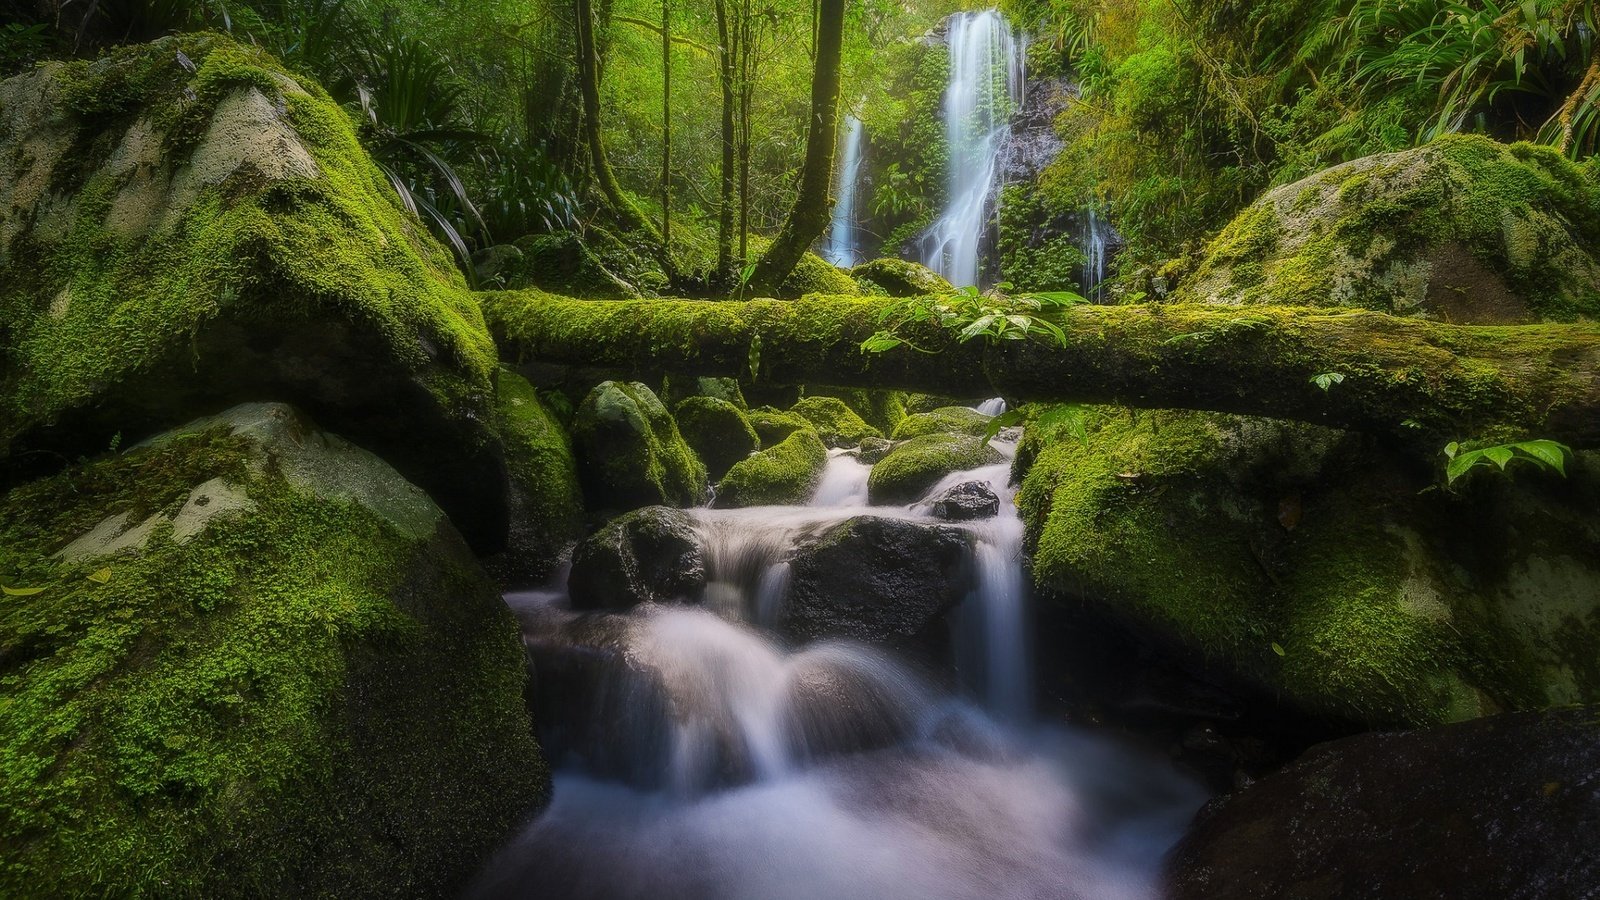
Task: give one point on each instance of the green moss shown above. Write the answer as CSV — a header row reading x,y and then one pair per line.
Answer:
x,y
630,452
944,420
677,388
100,306
773,425
900,278
785,473
912,469
719,432
299,700
881,409
836,423
561,263
547,503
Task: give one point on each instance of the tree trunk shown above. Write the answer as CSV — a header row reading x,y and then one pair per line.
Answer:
x,y
1456,381
666,125
726,59
626,213
810,214
746,87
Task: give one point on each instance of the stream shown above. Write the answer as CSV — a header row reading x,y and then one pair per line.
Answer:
x,y
714,760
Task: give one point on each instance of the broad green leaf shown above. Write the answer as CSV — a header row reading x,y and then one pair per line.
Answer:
x,y
1500,456
1277,648
100,576
1548,452
21,591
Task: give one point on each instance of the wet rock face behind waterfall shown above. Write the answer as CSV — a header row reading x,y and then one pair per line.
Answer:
x,y
1503,807
879,580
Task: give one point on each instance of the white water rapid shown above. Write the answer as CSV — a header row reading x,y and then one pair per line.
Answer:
x,y
985,88
843,248
704,757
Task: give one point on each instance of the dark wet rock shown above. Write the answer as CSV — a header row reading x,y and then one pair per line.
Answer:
x,y
880,580
1502,807
966,501
648,555
718,431
873,449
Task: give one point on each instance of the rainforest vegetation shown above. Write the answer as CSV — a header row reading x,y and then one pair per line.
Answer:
x,y
799,448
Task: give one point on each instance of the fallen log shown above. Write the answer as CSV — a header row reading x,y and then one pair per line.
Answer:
x,y
1462,380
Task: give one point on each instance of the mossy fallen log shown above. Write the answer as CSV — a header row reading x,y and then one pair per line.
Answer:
x,y
1395,372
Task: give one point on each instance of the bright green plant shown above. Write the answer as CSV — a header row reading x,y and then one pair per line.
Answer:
x,y
1327,380
1544,454
970,313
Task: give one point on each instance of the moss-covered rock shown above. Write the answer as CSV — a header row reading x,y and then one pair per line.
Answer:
x,y
1463,229
815,275
630,452
944,420
881,409
249,659
1311,563
546,503
677,388
912,469
836,423
922,403
785,473
774,425
900,278
719,433
561,263
184,225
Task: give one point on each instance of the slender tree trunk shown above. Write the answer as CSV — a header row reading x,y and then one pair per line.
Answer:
x,y
726,61
666,124
1456,381
809,216
626,213
746,87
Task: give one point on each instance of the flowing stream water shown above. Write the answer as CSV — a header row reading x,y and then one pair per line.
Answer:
x,y
713,760
843,248
985,87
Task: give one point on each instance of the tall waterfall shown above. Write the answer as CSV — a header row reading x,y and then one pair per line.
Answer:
x,y
1094,254
843,245
985,87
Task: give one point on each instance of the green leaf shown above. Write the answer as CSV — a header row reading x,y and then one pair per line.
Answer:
x,y
1327,380
100,576
1277,648
1005,420
1500,456
1547,452
20,591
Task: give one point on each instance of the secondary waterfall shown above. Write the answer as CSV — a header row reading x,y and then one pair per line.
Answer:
x,y
699,755
843,247
985,88
1094,254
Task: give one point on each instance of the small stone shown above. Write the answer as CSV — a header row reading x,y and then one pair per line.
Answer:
x,y
967,501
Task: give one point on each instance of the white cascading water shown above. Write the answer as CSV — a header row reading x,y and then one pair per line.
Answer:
x,y
1094,254
754,771
985,87
843,246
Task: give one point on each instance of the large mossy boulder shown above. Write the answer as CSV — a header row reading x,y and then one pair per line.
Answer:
x,y
882,409
1323,568
718,432
185,225
1463,229
630,452
836,423
900,278
1501,807
650,555
774,425
944,420
561,263
913,468
249,659
879,580
785,473
546,503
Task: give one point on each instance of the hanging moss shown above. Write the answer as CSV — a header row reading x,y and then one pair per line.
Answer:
x,y
298,683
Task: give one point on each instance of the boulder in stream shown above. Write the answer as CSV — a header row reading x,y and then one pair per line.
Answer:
x,y
248,658
880,580
944,420
630,452
650,555
836,423
966,501
787,473
913,468
718,431
1502,807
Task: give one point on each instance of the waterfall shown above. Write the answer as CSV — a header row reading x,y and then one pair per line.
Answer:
x,y
1094,254
985,88
842,249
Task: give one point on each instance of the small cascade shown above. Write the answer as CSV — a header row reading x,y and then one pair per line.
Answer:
x,y
1094,241
985,88
843,247
844,481
994,406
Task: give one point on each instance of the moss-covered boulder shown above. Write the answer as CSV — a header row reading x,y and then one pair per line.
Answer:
x,y
185,225
630,453
561,263
912,468
650,555
718,432
787,472
881,409
677,388
248,659
815,275
900,278
944,420
546,504
1463,229
773,425
1322,568
836,423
